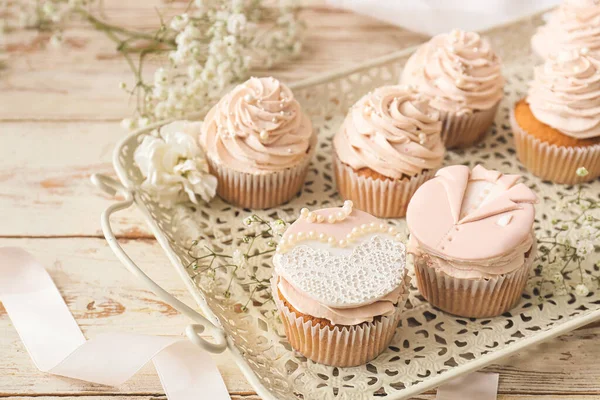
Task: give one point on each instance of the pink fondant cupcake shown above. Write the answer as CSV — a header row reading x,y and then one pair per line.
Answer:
x,y
472,240
388,145
571,26
259,144
461,74
340,285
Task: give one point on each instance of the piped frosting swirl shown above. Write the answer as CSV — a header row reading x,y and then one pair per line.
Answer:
x,y
258,127
573,25
459,71
392,131
565,93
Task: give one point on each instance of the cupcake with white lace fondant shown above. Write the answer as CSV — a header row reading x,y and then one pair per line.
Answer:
x,y
340,285
388,145
573,25
461,75
557,126
258,143
471,234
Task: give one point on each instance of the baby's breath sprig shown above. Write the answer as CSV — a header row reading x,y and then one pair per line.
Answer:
x,y
211,45
261,242
572,239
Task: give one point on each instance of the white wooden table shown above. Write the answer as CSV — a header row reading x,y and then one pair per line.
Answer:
x,y
59,120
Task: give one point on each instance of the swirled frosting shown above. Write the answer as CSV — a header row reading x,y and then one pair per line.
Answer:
x,y
565,93
573,25
459,71
258,127
392,131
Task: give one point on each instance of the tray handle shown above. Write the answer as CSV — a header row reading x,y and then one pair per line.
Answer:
x,y
193,331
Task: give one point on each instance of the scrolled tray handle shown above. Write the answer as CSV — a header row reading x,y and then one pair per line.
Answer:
x,y
193,331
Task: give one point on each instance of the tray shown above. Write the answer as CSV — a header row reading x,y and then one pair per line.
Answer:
x,y
430,346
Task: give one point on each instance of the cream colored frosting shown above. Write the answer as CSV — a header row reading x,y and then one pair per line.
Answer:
x,y
459,71
338,316
575,24
258,127
392,131
472,223
565,93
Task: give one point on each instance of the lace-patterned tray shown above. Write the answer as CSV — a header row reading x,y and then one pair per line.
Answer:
x,y
430,346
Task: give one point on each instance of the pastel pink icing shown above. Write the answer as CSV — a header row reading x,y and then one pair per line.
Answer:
x,y
573,25
392,131
346,315
458,71
565,93
231,131
472,223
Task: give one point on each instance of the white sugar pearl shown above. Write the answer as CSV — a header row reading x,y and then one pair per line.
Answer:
x,y
322,237
392,231
348,204
274,120
340,215
311,217
382,227
355,230
364,227
331,218
311,234
372,225
320,218
300,235
398,237
264,135
331,240
290,238
584,50
342,243
249,98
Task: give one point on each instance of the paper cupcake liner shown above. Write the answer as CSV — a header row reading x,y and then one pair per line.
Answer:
x,y
260,191
382,198
341,346
472,298
459,131
555,163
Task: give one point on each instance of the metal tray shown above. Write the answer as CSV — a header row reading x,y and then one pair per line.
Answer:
x,y
430,347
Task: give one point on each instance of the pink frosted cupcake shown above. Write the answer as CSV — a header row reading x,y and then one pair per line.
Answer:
x,y
388,145
557,126
461,75
571,26
472,238
259,144
340,285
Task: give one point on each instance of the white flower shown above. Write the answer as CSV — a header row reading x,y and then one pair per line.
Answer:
x,y
179,22
582,171
582,290
174,166
236,23
248,221
279,226
557,278
584,247
238,258
128,124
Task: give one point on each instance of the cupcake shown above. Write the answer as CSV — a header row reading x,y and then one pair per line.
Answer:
x,y
340,285
571,26
461,75
471,235
258,144
388,145
557,126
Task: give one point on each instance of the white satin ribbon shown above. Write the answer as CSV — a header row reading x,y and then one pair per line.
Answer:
x,y
476,386
57,346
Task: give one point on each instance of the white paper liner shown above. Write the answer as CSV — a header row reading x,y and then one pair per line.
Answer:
x,y
459,131
341,346
260,191
382,198
473,298
554,163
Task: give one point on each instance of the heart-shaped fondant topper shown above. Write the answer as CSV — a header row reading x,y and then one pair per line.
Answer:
x,y
344,261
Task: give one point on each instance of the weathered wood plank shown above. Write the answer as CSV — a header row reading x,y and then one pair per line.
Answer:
x,y
254,397
104,297
79,81
45,188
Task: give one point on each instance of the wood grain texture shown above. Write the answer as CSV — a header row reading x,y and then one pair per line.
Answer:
x,y
59,114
